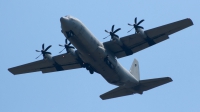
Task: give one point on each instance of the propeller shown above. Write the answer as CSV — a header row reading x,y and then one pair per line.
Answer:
x,y
43,51
66,46
112,32
136,25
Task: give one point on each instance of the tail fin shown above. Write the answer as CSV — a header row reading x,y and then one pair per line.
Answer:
x,y
135,69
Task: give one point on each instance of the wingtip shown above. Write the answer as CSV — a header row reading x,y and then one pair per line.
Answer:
x,y
9,69
170,79
101,97
190,21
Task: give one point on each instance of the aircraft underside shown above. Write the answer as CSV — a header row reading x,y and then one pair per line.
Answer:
x,y
101,58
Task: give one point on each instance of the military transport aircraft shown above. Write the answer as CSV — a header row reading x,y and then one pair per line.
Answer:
x,y
102,57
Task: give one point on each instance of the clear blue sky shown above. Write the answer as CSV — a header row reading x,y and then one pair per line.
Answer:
x,y
26,24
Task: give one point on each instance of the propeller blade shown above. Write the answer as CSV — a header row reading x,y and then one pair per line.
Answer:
x,y
140,22
47,48
43,46
140,27
112,32
69,43
47,53
130,24
115,35
117,30
38,56
37,51
61,45
107,31
135,20
106,37
130,30
61,51
112,28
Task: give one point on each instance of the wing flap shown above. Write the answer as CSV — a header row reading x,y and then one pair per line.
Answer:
x,y
47,70
53,69
142,45
137,45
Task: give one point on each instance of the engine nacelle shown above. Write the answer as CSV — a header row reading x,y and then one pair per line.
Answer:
x,y
118,41
72,52
49,57
141,31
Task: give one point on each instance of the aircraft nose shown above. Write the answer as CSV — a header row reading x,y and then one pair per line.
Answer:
x,y
62,19
65,22
65,18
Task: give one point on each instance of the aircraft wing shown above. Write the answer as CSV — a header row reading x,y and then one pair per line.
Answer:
x,y
136,42
63,62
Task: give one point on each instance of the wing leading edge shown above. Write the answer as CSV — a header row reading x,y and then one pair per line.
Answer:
x,y
63,62
136,42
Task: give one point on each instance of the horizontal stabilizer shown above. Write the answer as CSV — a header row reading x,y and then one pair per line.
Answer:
x,y
117,92
152,83
143,86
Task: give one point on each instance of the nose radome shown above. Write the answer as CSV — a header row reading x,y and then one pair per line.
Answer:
x,y
65,23
65,19
62,19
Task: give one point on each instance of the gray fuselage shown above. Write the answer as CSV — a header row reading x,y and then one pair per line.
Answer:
x,y
93,52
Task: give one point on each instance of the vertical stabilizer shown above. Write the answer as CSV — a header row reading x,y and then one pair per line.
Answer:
x,y
135,69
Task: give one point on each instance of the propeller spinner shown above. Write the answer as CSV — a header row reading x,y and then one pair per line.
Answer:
x,y
112,32
43,51
136,25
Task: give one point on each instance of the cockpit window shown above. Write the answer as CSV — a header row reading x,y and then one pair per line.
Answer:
x,y
70,34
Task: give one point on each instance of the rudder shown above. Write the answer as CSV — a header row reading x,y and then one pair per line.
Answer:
x,y
134,70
